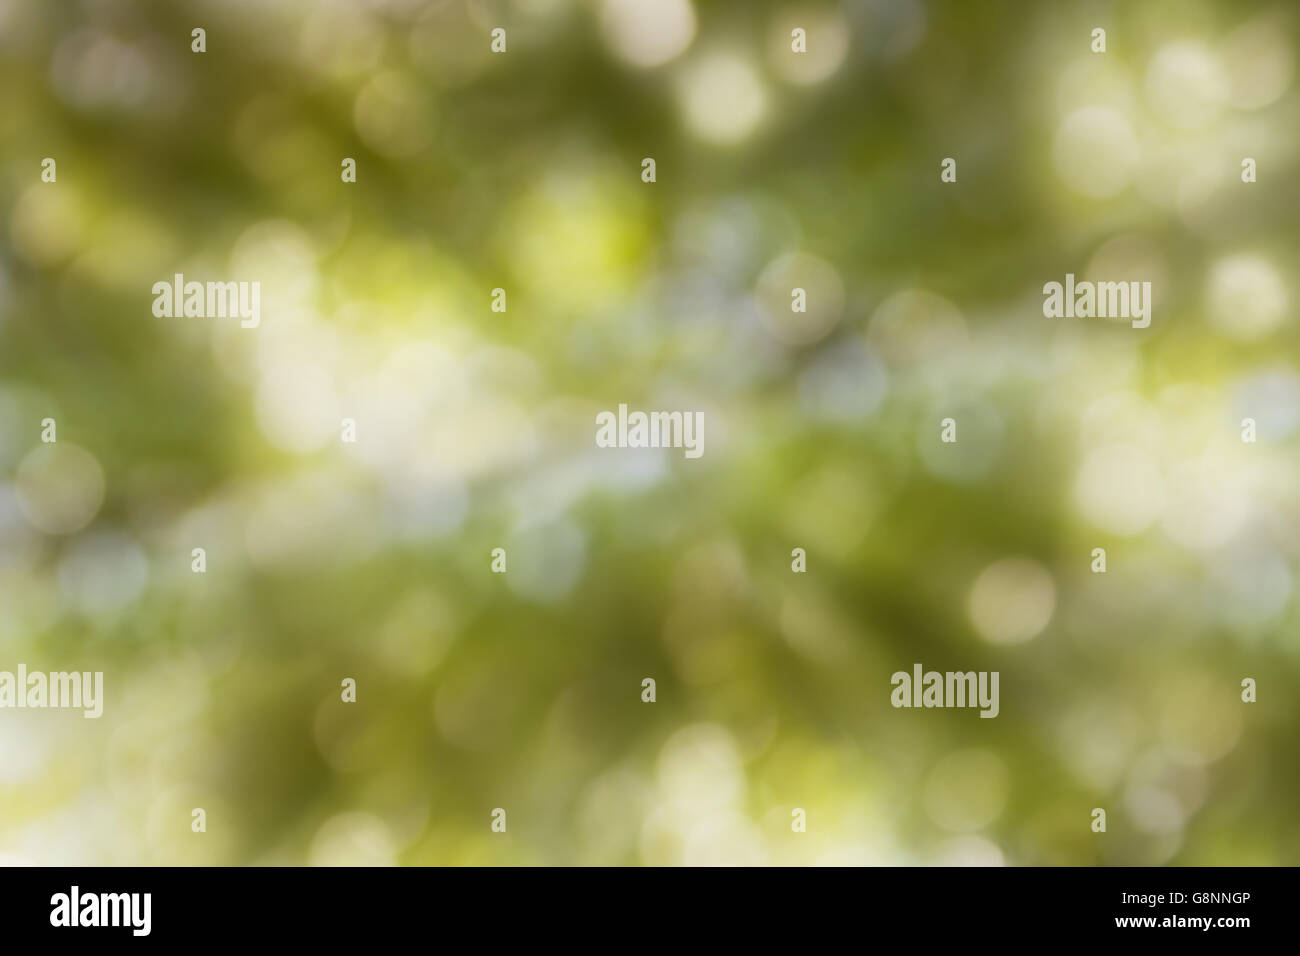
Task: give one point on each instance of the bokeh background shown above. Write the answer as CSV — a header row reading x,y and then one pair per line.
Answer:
x,y
522,691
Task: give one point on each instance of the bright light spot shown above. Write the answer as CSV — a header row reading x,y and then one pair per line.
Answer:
x,y
1259,63
822,299
1092,80
1186,85
1207,502
340,41
1163,790
724,840
969,850
827,36
700,769
27,744
1119,489
648,33
722,98
279,255
1012,601
1272,398
1245,298
353,839
60,487
1096,152
1254,586
297,406
1120,416
1154,810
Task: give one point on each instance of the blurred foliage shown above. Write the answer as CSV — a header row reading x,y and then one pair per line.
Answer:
x,y
522,691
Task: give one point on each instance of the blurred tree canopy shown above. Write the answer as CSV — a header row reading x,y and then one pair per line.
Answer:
x,y
522,690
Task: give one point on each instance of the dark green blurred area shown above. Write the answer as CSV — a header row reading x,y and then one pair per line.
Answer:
x,y
522,171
